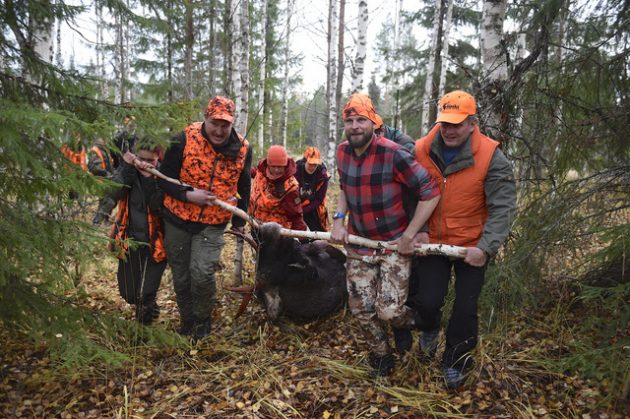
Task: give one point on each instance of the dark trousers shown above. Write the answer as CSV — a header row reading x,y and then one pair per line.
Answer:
x,y
139,276
311,219
433,275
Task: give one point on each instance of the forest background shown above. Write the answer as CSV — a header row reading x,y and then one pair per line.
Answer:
x,y
551,79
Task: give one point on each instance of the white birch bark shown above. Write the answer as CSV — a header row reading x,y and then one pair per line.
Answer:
x,y
100,49
235,76
285,80
494,59
331,86
428,84
243,94
263,75
359,61
445,42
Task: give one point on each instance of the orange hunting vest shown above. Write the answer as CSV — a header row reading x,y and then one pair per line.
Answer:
x,y
98,152
119,232
265,200
204,168
461,213
76,157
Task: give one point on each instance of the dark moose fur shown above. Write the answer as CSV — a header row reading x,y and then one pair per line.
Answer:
x,y
302,281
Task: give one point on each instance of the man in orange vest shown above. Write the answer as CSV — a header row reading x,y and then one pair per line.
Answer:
x,y
216,161
275,191
476,211
138,218
100,163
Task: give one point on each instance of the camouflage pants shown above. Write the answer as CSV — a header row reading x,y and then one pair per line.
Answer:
x,y
192,258
376,295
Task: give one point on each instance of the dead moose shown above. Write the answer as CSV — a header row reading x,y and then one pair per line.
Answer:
x,y
300,281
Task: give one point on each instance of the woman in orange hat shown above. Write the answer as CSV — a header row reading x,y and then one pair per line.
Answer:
x,y
275,195
313,178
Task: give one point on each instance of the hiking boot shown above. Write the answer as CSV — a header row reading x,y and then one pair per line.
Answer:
x,y
382,365
403,340
186,328
454,378
429,341
202,329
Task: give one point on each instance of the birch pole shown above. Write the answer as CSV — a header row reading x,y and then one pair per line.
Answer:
x,y
359,61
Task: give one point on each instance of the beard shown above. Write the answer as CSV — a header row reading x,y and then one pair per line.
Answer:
x,y
360,141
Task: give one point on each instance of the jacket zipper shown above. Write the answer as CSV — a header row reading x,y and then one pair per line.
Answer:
x,y
214,167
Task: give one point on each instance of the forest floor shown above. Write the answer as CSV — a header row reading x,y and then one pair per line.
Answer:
x,y
249,368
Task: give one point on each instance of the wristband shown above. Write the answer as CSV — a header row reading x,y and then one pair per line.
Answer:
x,y
337,215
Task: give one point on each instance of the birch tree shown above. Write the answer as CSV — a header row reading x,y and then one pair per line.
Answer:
x,y
284,117
235,41
263,74
243,69
494,61
428,98
331,85
445,43
340,53
359,61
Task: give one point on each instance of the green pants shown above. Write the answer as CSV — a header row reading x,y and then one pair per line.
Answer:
x,y
192,258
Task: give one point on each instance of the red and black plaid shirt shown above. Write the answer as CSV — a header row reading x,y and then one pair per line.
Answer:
x,y
374,184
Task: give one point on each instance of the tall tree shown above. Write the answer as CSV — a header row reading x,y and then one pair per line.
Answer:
x,y
445,44
243,94
262,77
340,53
430,92
494,56
359,61
331,85
188,60
285,80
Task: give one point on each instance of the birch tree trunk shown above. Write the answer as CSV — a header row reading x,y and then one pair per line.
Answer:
x,y
189,44
243,93
428,99
331,85
445,42
237,53
340,53
228,35
269,90
284,118
359,61
494,64
263,75
100,50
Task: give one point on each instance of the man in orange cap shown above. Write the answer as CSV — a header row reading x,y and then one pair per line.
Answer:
x,y
374,175
275,191
476,211
215,160
313,178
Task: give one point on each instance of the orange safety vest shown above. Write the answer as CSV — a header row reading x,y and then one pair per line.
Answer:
x,y
204,168
120,236
76,157
100,156
461,213
264,203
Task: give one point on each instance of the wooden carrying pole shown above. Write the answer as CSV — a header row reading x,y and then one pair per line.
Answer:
x,y
422,250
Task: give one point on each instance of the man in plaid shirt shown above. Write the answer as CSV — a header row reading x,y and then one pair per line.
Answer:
x,y
374,175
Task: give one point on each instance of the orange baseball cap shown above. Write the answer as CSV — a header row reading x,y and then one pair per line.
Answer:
x,y
312,156
277,156
456,106
360,104
222,108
